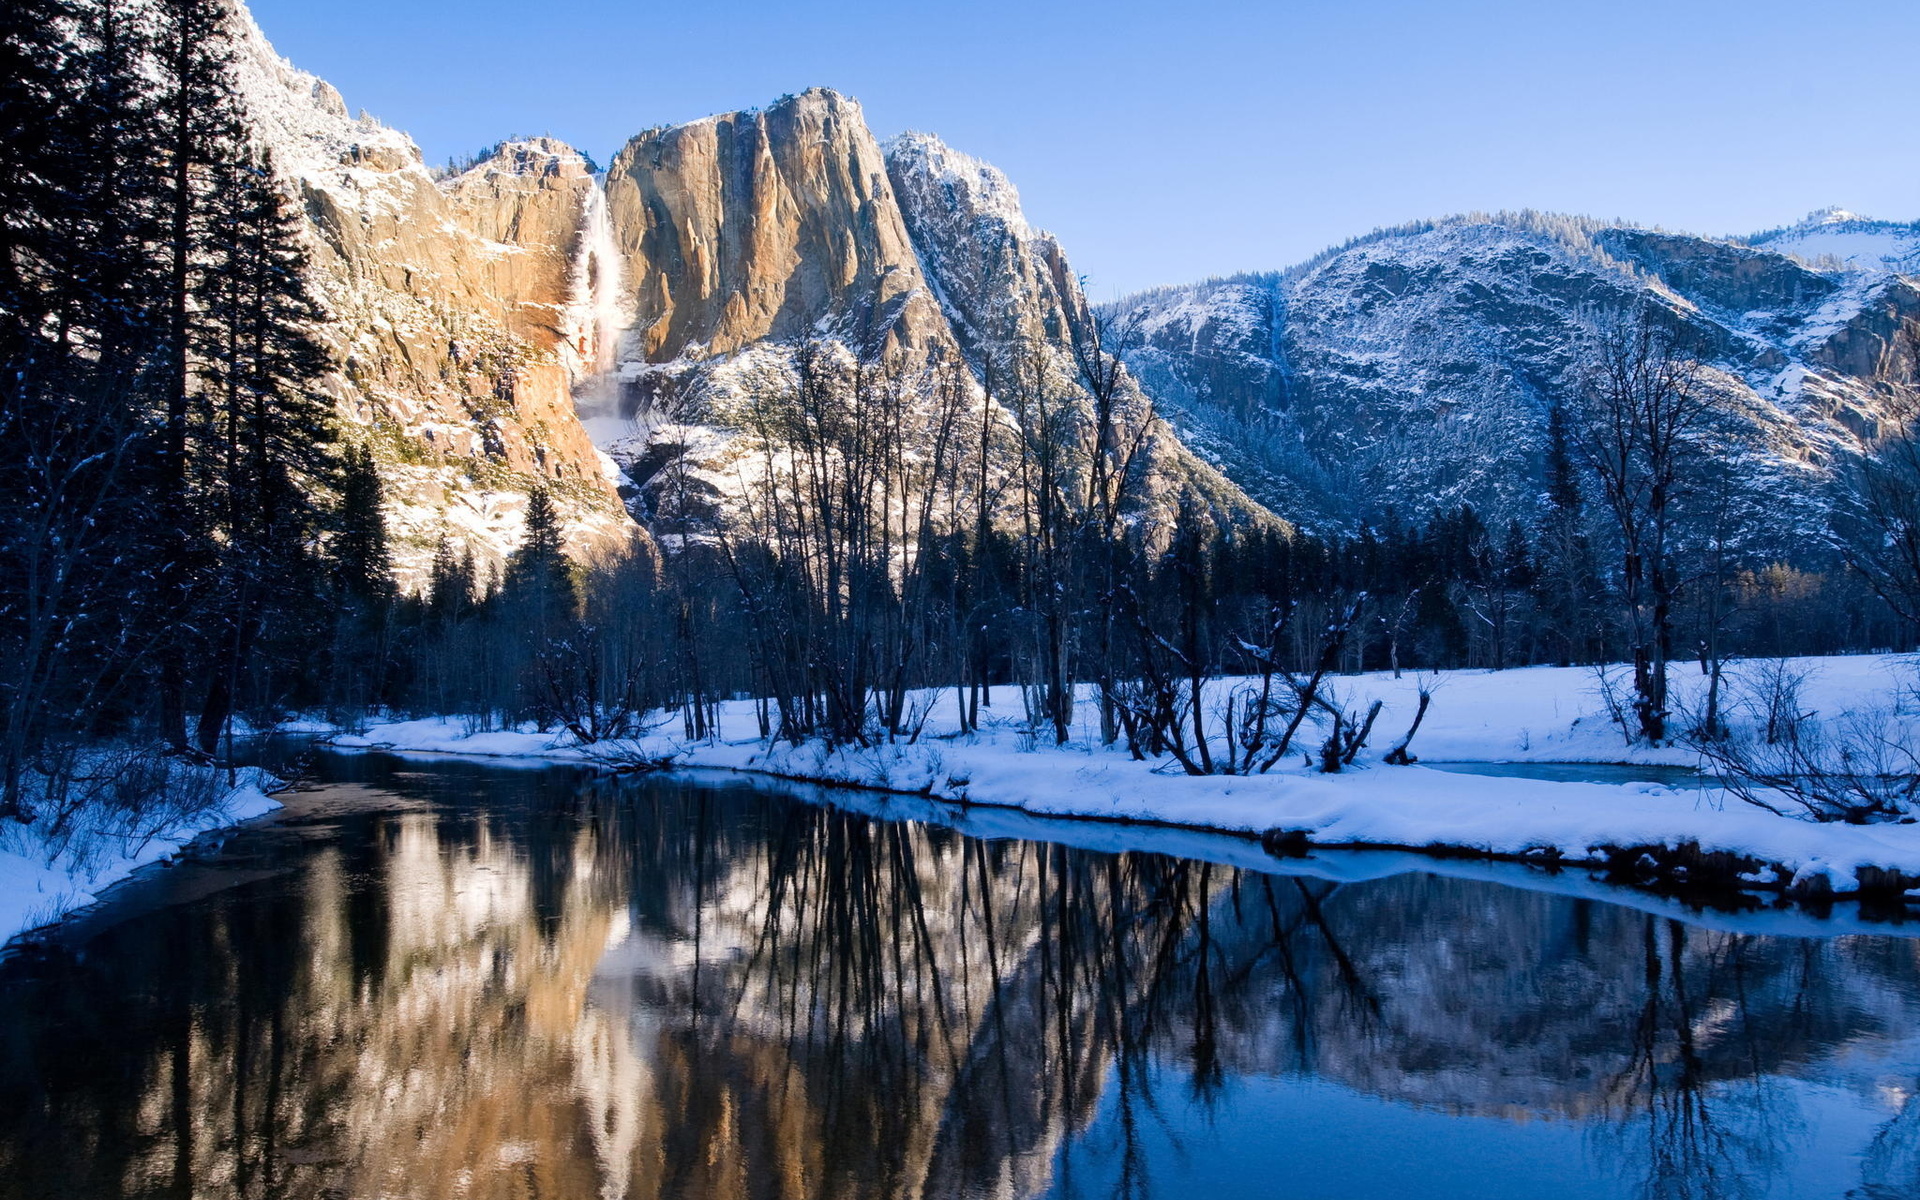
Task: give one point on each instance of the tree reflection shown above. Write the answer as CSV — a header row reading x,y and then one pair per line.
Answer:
x,y
668,990
1691,1107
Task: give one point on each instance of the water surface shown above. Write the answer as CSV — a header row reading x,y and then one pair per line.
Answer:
x,y
443,979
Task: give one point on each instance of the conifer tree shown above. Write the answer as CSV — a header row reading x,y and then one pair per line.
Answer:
x,y
199,134
362,562
1565,560
263,445
451,583
77,335
539,580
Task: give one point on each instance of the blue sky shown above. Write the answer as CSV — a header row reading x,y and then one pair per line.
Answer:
x,y
1166,142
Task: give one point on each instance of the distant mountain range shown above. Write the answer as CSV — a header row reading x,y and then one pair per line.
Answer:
x,y
495,322
1414,367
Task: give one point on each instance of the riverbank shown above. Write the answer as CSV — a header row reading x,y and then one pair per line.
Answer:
x,y
1644,831
45,875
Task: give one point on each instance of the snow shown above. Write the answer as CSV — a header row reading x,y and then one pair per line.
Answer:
x,y
1857,243
970,186
40,883
1541,715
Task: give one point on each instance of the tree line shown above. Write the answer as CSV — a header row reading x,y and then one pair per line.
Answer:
x,y
893,534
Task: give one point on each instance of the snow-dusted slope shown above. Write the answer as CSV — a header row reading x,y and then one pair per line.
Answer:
x,y
458,333
999,279
1415,368
1012,297
1837,238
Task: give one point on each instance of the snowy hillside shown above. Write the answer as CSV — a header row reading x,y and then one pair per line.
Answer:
x,y
1834,237
1414,368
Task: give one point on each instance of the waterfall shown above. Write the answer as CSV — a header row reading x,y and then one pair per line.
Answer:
x,y
594,319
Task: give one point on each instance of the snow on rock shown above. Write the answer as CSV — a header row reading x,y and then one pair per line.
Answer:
x,y
1413,369
1836,237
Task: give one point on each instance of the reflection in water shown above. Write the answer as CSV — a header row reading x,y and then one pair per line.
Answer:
x,y
538,983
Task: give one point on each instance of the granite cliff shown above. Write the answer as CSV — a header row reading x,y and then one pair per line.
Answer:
x,y
746,231
452,296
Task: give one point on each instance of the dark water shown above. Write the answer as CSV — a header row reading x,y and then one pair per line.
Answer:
x,y
437,979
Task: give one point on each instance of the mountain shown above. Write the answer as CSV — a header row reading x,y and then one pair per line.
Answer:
x,y
1414,368
745,231
481,314
495,322
455,300
1836,238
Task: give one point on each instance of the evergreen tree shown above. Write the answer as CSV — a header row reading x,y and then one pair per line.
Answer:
x,y
1565,563
361,570
539,581
78,332
200,134
451,583
362,563
263,447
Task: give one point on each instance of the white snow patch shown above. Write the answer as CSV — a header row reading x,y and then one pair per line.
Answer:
x,y
40,883
1533,715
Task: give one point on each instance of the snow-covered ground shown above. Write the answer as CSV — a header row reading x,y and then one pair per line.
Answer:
x,y
44,876
1541,715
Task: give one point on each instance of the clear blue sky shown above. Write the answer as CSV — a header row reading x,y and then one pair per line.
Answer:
x,y
1166,142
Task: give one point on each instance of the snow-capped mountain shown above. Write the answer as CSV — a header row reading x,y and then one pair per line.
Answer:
x,y
453,301
1834,237
758,227
481,313
1415,367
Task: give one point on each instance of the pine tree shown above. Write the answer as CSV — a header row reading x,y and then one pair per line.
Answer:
x,y
200,133
262,445
451,584
539,581
361,578
362,563
1565,565
78,337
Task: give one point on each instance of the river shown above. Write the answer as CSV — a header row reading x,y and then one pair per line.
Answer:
x,y
435,978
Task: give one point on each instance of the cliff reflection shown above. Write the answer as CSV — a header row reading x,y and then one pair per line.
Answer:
x,y
669,990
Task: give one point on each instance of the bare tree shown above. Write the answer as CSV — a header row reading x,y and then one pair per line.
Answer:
x,y
1644,405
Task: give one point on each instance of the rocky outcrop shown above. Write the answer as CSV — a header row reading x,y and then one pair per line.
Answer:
x,y
450,299
1001,282
763,225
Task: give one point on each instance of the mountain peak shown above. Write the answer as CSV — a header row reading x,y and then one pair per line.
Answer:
x,y
970,183
1830,215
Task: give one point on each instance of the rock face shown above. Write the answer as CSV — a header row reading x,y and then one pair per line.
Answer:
x,y
1001,281
765,227
1415,368
1008,290
761,225
451,297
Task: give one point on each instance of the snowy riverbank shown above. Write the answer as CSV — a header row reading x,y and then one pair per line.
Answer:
x,y
1539,715
44,876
